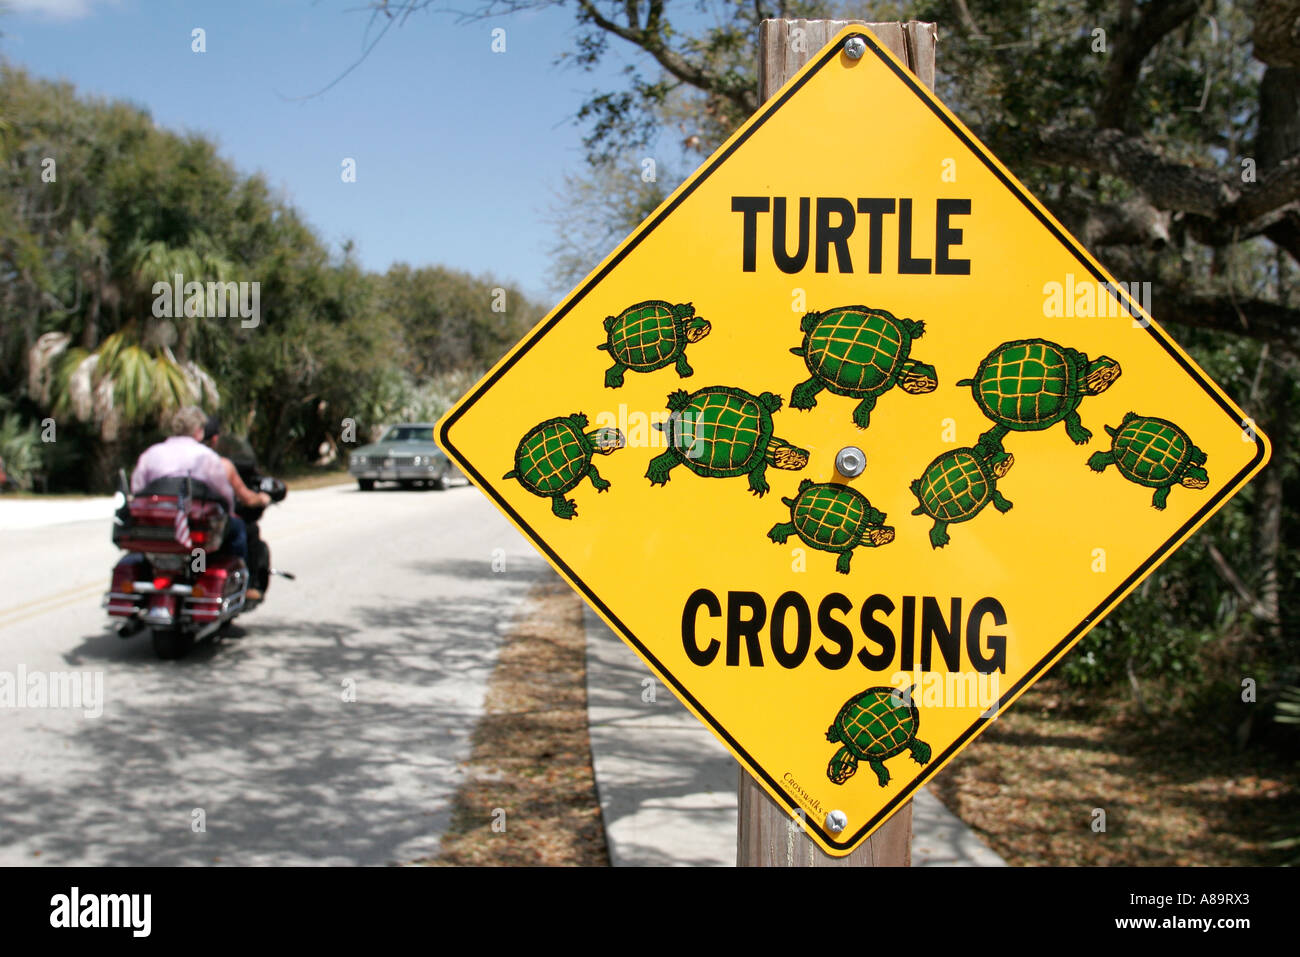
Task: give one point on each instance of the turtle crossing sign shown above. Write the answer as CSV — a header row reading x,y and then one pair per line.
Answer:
x,y
852,268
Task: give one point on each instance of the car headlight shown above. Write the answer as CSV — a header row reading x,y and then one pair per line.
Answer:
x,y
358,460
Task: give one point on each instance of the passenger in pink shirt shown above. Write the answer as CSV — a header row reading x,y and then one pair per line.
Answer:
x,y
184,454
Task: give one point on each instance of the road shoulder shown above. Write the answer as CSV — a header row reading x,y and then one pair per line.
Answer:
x,y
529,796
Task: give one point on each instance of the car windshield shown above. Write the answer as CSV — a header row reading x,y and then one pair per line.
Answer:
x,y
408,433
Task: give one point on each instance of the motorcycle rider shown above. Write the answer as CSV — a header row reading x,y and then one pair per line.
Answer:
x,y
184,454
242,493
245,495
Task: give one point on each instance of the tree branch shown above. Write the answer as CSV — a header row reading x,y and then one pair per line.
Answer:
x,y
1230,211
1256,318
1229,575
1157,19
1276,37
967,21
1133,223
1280,226
1168,184
1286,234
653,43
1279,187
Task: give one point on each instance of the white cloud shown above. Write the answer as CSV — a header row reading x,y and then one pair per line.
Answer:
x,y
55,9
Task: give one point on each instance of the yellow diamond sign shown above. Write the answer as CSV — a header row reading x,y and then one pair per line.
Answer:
x,y
851,441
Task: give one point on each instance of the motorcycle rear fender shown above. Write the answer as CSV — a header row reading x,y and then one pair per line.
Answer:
x,y
161,608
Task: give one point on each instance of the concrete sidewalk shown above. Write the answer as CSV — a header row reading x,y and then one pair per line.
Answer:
x,y
16,513
667,787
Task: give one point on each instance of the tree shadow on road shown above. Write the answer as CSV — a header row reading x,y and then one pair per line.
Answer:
x,y
334,742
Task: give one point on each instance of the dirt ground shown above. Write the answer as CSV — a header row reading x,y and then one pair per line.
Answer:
x,y
1172,794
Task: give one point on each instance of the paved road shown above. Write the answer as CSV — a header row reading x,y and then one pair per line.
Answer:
x,y
395,593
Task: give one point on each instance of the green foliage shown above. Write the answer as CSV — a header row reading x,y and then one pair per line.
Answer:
x,y
1156,631
1288,705
401,399
1287,712
20,449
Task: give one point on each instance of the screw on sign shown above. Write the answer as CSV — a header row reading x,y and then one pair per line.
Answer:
x,y
850,461
861,522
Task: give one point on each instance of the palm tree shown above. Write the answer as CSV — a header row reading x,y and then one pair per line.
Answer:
x,y
155,262
139,372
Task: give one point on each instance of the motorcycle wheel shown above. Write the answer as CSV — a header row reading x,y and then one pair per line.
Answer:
x,y
172,643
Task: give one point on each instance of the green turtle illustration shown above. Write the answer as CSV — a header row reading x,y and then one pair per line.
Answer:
x,y
859,352
649,336
957,484
555,456
719,432
1031,384
873,726
1154,453
834,518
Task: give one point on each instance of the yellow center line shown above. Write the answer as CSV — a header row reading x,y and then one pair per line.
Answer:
x,y
40,601
68,598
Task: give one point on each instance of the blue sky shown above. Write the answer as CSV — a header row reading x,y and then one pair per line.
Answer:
x,y
459,150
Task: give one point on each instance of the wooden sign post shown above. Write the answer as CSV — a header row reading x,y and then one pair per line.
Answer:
x,y
766,835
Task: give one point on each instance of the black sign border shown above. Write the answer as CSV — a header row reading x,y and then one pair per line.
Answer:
x,y
979,150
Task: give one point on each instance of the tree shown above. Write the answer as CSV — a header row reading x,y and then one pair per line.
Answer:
x,y
613,198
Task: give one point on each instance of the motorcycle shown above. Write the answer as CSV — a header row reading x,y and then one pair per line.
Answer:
x,y
174,581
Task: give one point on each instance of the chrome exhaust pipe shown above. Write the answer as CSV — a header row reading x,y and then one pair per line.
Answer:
x,y
131,627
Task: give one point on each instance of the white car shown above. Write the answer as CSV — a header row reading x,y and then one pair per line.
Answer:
x,y
406,455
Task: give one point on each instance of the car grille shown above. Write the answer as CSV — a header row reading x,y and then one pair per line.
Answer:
x,y
400,460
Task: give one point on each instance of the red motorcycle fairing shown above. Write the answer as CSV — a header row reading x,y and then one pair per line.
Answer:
x,y
218,589
123,599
